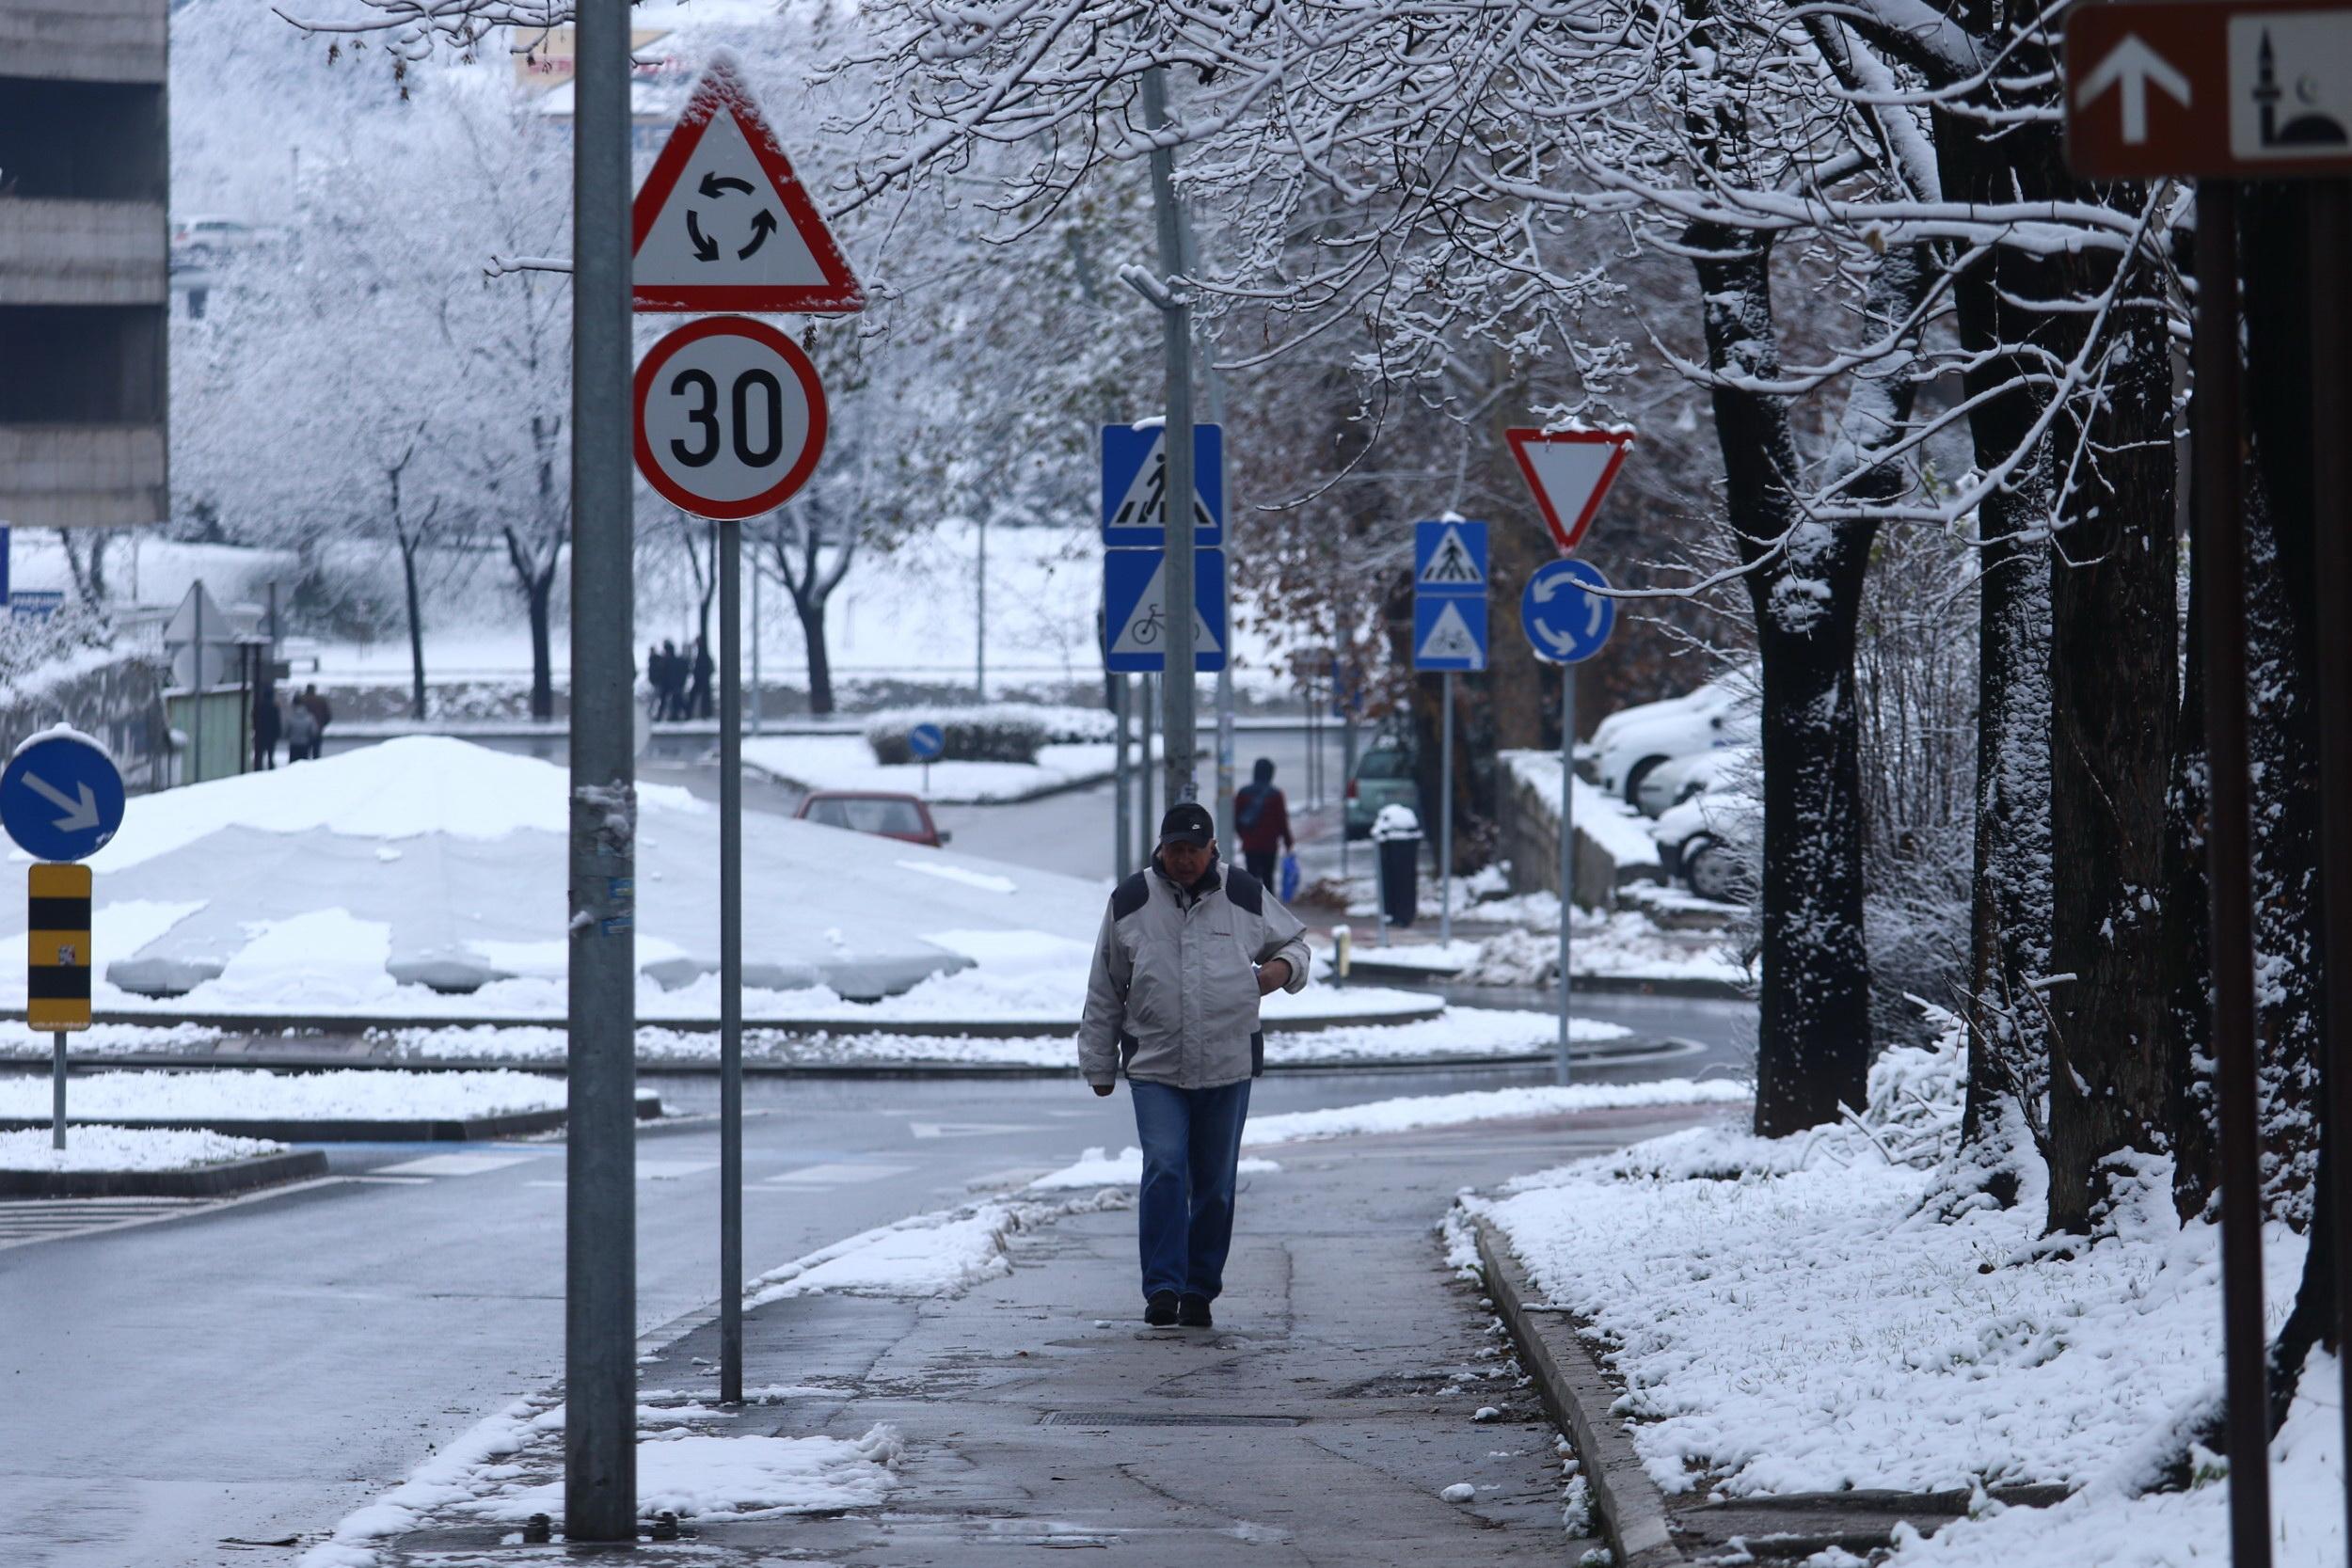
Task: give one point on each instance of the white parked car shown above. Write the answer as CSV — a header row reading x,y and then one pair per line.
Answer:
x,y
1705,842
1669,784
1633,741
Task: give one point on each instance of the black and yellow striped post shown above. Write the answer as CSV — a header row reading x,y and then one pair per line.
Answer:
x,y
56,979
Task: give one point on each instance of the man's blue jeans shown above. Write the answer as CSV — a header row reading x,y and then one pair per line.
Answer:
x,y
1184,1214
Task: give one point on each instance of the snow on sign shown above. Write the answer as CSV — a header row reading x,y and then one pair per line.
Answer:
x,y
1569,471
1135,485
1134,603
722,222
730,417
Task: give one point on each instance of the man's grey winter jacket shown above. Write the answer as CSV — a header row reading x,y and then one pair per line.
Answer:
x,y
1174,995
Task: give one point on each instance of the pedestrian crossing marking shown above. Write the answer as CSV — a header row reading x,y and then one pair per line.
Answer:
x,y
963,1129
835,1175
46,1219
671,1170
455,1164
1144,630
1453,566
1450,638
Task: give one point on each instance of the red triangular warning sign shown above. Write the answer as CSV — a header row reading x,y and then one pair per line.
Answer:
x,y
1569,471
724,224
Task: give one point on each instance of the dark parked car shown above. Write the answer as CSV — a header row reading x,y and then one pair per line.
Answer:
x,y
899,816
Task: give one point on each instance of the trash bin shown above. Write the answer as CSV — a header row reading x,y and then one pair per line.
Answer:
x,y
1396,839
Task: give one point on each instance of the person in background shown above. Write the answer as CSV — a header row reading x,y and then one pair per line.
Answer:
x,y
321,715
1262,820
302,732
267,725
699,703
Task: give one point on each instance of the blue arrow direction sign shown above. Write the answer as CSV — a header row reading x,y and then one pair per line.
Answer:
x,y
1450,558
927,741
1565,622
1448,634
1135,485
61,796
1135,605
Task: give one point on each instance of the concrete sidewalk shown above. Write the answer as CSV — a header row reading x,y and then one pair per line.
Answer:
x,y
1317,1424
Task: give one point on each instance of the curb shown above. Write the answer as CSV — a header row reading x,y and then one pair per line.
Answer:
x,y
1449,983
517,1124
1632,1510
235,1176
275,1023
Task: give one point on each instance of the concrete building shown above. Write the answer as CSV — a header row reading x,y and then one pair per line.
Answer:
x,y
84,176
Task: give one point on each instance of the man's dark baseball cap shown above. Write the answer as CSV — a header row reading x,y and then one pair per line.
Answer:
x,y
1187,822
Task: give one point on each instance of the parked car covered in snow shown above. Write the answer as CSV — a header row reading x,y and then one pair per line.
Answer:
x,y
1633,741
1669,784
1383,777
1705,842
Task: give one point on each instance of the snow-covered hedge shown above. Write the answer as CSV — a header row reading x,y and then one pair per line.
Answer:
x,y
999,731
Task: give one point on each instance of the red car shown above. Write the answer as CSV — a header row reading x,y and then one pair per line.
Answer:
x,y
899,816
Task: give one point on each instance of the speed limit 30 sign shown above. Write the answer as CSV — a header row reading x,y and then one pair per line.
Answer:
x,y
730,417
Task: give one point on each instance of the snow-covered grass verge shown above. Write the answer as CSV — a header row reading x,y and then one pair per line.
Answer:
x,y
1099,1167
1413,1112
115,1039
113,1149
938,1254
1619,944
509,1467
356,1095
847,762
1795,1315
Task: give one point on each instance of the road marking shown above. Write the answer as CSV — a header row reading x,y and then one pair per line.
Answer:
x,y
964,1129
455,1164
835,1175
394,1180
39,1219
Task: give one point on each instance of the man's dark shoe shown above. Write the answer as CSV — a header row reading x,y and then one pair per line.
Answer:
x,y
1193,1312
1160,1311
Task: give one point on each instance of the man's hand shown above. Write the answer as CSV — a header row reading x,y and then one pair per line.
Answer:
x,y
1273,975
1101,1088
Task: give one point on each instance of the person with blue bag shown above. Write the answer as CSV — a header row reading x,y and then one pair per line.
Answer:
x,y
1262,820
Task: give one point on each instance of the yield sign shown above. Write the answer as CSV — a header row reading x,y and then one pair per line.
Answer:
x,y
724,224
1569,471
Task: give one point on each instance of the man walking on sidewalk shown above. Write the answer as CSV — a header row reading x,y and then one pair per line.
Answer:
x,y
1187,947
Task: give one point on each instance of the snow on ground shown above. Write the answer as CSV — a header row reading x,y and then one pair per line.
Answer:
x,y
941,1253
1622,944
103,1148
1098,1167
847,762
509,1465
1793,1316
1466,1032
356,1095
1453,1110
1619,829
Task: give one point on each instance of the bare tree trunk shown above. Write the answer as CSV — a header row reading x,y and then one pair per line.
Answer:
x,y
416,627
812,613
2115,633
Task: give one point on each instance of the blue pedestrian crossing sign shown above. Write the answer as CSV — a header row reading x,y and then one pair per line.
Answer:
x,y
61,796
1450,596
1565,622
1134,604
1135,485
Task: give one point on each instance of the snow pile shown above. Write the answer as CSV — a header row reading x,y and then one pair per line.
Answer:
x,y
1615,827
847,762
1622,944
1795,1316
712,1477
356,1095
1415,1111
1097,1167
103,1147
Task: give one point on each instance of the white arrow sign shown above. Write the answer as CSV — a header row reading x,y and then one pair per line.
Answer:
x,y
80,815
2131,66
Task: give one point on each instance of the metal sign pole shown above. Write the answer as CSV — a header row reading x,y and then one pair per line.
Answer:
x,y
195,685
1123,699
1567,847
56,1090
1176,504
2331,476
1445,821
600,1189
1147,825
2221,564
755,640
731,963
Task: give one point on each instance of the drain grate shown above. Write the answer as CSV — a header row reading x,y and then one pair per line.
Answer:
x,y
1161,1418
